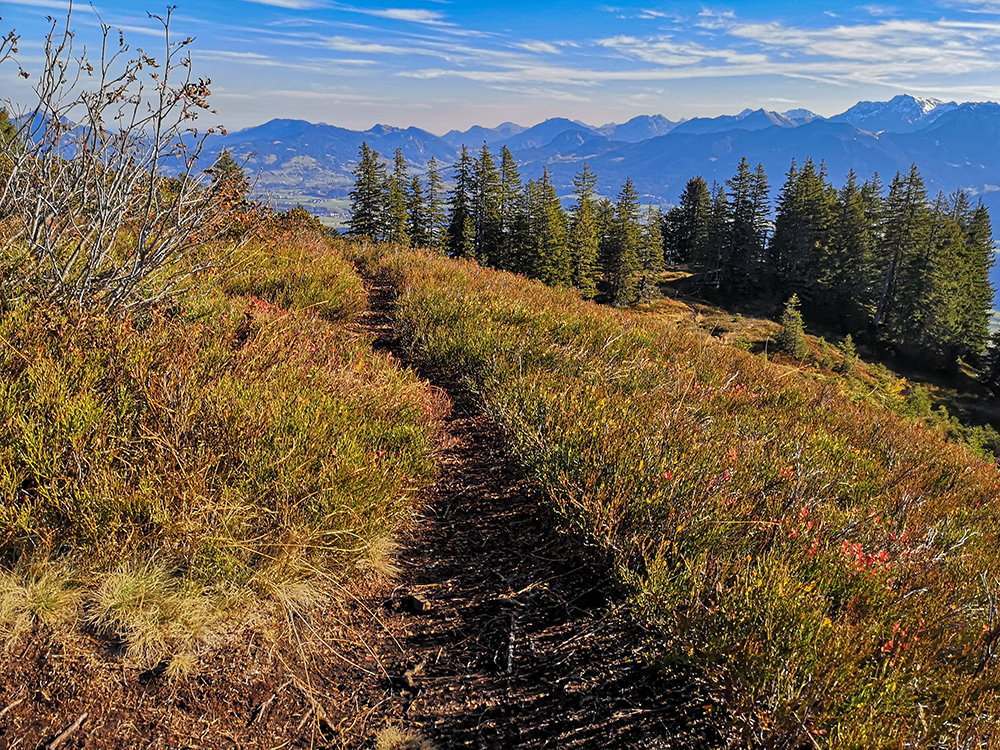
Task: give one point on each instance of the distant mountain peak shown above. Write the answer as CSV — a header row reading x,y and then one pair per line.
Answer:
x,y
901,114
800,115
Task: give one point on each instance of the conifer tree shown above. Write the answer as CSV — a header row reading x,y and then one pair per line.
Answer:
x,y
513,219
792,337
847,288
584,237
625,242
368,197
420,225
550,248
605,215
685,235
437,217
650,252
228,176
850,354
486,210
979,259
718,231
461,226
398,218
957,296
743,254
800,247
906,232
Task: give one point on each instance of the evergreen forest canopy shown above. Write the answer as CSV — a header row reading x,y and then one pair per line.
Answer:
x,y
893,267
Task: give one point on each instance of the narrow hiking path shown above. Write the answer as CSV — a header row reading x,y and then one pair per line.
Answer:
x,y
511,638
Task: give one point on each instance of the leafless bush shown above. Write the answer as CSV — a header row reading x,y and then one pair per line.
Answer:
x,y
102,204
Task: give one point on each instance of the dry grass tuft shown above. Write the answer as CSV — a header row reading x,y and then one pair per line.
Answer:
x,y
394,738
379,558
44,594
155,614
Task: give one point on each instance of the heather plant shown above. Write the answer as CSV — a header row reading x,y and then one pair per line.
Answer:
x,y
175,467
828,565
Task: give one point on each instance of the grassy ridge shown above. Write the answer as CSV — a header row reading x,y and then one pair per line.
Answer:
x,y
831,566
246,445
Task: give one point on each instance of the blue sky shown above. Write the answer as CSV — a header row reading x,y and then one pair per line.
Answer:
x,y
441,65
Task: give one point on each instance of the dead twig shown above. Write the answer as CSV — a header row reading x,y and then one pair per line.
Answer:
x,y
262,708
62,738
11,707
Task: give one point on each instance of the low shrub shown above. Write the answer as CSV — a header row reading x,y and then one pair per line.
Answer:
x,y
223,450
830,566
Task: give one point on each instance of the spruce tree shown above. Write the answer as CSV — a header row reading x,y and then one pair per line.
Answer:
x,y
368,197
800,248
846,287
486,210
743,254
850,354
792,337
685,233
420,224
513,220
625,242
550,247
461,226
229,177
605,221
650,253
584,238
979,259
398,218
437,217
718,232
906,230
958,296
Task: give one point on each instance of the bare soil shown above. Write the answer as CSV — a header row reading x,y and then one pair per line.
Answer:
x,y
499,632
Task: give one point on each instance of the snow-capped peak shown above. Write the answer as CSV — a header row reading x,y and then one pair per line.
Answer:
x,y
901,114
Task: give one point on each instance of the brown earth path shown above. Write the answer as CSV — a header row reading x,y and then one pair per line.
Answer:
x,y
522,642
525,644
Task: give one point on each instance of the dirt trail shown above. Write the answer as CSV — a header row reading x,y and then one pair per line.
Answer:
x,y
523,645
497,634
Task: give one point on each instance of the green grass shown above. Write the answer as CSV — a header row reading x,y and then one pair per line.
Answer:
x,y
830,566
243,446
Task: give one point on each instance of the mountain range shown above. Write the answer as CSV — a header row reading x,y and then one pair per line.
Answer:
x,y
955,146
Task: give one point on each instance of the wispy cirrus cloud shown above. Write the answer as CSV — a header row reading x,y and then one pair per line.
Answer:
x,y
663,50
428,17
293,4
544,48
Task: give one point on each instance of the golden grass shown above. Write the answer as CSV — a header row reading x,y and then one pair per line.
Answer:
x,y
159,476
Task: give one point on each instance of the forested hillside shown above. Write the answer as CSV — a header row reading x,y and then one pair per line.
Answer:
x,y
889,266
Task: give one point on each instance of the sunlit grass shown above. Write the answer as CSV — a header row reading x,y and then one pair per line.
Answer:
x,y
831,566
242,445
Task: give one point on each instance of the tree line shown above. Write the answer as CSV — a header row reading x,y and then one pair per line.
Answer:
x,y
494,216
891,266
888,266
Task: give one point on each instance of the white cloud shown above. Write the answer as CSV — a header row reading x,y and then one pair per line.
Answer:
x,y
540,47
52,4
668,53
429,17
292,4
